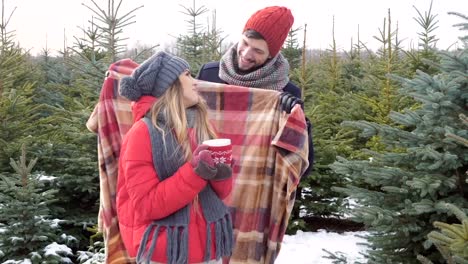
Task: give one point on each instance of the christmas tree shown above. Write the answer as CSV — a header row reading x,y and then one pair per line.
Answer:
x,y
24,213
421,168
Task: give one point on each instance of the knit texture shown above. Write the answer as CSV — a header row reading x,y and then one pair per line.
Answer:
x,y
153,77
166,162
273,75
273,23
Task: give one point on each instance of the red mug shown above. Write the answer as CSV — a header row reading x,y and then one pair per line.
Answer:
x,y
221,150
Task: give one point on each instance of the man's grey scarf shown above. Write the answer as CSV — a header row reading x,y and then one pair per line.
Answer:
x,y
273,75
166,162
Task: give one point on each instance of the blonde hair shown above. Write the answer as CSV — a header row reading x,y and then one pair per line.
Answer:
x,y
171,105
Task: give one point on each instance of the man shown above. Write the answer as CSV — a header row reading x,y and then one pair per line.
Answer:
x,y
256,60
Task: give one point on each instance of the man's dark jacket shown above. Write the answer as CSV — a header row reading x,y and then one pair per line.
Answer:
x,y
210,73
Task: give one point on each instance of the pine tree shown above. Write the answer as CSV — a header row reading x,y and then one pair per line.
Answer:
x,y
19,113
190,46
69,152
86,58
325,93
420,168
24,213
6,36
200,45
291,50
11,57
420,58
34,114
212,42
462,26
101,43
353,65
54,69
379,92
303,78
452,240
107,30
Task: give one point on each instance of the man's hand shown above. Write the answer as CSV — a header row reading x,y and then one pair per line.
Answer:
x,y
288,101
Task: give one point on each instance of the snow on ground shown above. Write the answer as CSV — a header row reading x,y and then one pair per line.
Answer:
x,y
306,247
301,248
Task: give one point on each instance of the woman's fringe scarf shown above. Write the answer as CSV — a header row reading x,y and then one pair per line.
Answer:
x,y
166,162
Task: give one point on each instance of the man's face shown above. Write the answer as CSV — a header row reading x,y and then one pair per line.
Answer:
x,y
251,53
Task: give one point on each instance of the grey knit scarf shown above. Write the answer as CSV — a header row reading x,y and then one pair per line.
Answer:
x,y
273,75
166,162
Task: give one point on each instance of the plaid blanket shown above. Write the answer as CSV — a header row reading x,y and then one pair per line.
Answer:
x,y
270,148
111,119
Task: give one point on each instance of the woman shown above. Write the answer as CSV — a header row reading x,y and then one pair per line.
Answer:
x,y
169,192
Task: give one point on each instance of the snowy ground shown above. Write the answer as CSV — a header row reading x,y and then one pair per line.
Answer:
x,y
306,247
301,248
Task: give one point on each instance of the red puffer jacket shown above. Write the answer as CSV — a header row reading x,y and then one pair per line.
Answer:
x,y
141,197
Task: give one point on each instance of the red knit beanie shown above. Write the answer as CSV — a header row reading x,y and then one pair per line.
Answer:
x,y
273,23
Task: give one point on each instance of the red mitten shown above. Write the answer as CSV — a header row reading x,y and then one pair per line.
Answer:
x,y
203,163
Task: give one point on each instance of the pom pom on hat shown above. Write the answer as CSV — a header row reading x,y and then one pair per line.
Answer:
x,y
153,77
273,23
127,88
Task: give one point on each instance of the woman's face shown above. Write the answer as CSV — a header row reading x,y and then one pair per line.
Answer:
x,y
191,96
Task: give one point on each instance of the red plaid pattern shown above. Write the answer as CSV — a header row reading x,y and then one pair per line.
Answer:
x,y
111,119
265,177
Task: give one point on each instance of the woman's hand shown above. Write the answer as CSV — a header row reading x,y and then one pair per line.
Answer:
x,y
203,163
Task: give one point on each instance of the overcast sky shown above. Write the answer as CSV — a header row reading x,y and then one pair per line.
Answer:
x,y
37,22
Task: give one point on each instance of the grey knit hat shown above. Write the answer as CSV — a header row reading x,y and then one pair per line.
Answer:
x,y
153,77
